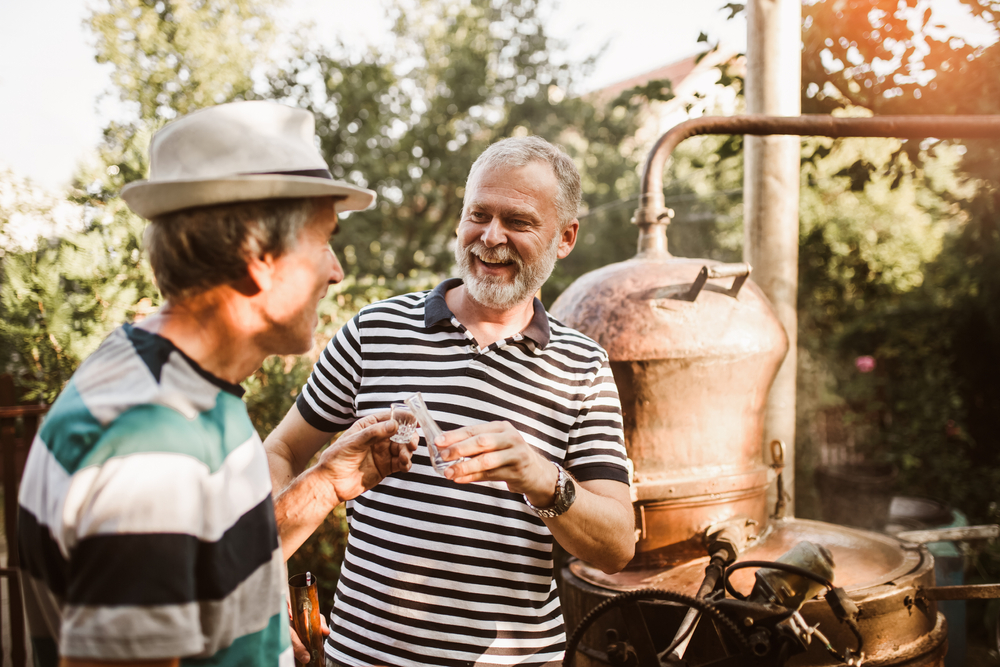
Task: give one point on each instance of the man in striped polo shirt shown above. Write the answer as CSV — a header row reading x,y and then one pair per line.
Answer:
x,y
456,568
147,529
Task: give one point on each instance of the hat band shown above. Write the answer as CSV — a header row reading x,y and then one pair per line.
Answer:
x,y
311,173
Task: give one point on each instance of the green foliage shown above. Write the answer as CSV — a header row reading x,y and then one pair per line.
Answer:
x,y
169,58
172,57
886,56
704,186
59,301
904,265
462,75
863,247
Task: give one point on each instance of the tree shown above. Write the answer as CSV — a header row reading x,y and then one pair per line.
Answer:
x,y
463,74
59,299
937,340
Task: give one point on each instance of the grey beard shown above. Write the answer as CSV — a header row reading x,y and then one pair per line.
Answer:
x,y
498,293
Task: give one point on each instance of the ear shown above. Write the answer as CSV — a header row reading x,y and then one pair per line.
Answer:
x,y
567,238
260,271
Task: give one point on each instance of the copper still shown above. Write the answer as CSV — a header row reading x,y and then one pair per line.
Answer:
x,y
694,346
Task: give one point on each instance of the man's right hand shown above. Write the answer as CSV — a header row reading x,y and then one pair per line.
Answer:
x,y
364,455
358,460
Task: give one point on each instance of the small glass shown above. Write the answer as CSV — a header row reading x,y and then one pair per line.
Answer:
x,y
406,423
431,432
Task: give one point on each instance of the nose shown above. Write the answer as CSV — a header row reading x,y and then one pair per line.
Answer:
x,y
336,270
494,234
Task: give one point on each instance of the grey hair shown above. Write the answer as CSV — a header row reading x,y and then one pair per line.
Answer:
x,y
515,152
199,248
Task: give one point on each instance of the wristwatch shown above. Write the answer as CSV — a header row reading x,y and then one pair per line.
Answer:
x,y
565,495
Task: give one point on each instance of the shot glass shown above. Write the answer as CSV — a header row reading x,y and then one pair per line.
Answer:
x,y
431,432
304,596
406,423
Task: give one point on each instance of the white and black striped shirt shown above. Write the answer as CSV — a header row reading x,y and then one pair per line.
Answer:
x,y
439,573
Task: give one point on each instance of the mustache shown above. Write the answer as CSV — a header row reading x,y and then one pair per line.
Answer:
x,y
495,255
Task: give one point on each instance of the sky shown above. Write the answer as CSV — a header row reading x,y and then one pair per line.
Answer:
x,y
51,108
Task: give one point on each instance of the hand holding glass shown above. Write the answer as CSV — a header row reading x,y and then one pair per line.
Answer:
x,y
431,432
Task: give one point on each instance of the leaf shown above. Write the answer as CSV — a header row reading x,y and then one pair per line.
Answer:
x,y
735,8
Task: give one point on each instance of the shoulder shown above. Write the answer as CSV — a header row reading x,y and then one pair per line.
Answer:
x,y
571,342
399,303
127,400
152,428
123,389
401,308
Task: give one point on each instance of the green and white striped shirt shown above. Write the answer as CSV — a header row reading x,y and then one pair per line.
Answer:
x,y
146,523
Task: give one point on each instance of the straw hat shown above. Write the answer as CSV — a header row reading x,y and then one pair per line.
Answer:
x,y
236,152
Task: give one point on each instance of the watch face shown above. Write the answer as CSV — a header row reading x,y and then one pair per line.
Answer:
x,y
569,491
566,494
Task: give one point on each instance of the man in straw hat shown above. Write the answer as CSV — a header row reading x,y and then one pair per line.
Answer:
x,y
147,526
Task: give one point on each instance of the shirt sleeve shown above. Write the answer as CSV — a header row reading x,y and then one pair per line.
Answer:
x,y
597,442
328,401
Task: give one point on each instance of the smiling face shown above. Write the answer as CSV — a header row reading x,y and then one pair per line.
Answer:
x,y
510,234
300,278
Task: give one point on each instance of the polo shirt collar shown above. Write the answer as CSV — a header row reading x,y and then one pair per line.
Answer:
x,y
436,309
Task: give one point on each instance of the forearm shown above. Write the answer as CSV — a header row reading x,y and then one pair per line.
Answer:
x,y
281,465
598,528
359,459
290,447
301,507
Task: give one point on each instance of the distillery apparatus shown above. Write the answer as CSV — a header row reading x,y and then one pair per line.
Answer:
x,y
719,576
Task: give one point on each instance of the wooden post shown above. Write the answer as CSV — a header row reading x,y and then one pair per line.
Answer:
x,y
771,196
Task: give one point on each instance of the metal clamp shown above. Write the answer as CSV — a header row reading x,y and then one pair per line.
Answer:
x,y
778,464
740,272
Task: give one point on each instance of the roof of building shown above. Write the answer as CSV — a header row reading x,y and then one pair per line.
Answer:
x,y
675,72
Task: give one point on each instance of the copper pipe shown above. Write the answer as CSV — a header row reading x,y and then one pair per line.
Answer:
x,y
963,534
652,211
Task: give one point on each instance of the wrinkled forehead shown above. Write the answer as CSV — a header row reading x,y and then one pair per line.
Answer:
x,y
534,182
494,170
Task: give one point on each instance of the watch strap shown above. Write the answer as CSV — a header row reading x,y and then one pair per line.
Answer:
x,y
560,505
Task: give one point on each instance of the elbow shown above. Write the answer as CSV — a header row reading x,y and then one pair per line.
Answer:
x,y
624,559
621,552
615,559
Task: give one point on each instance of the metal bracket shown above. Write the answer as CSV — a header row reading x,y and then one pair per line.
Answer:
x,y
969,592
739,272
778,465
